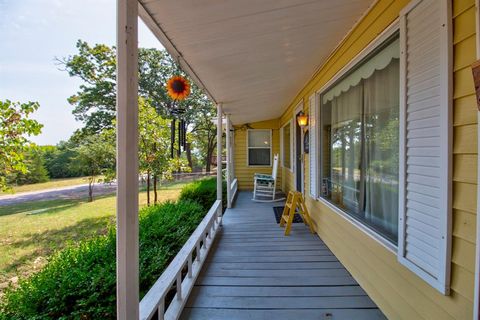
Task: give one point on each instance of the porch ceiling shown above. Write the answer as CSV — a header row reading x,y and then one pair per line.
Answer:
x,y
253,56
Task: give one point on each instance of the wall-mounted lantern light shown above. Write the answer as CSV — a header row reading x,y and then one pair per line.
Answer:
x,y
302,119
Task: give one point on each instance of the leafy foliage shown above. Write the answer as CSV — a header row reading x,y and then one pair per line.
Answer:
x,y
15,127
94,103
154,140
203,192
35,165
60,160
204,134
95,156
79,282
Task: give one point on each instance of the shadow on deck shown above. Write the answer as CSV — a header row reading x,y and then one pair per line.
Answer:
x,y
254,272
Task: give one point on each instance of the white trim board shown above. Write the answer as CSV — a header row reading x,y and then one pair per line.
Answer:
x,y
476,300
282,131
298,109
359,225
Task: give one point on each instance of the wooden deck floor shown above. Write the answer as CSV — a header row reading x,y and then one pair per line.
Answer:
x,y
254,272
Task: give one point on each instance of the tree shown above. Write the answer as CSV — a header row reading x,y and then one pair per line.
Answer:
x,y
94,103
154,143
60,160
15,128
35,164
96,156
204,134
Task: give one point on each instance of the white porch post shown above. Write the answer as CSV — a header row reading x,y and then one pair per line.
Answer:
x,y
219,151
229,155
127,161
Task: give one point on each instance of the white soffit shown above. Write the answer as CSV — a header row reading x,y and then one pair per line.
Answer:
x,y
253,56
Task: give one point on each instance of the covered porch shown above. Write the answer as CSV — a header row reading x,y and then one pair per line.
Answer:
x,y
253,272
263,63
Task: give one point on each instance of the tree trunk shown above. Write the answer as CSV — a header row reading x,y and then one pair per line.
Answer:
x,y
148,187
210,149
208,164
189,155
90,189
155,189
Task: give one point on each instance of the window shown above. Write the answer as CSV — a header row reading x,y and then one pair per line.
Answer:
x,y
259,147
359,140
286,156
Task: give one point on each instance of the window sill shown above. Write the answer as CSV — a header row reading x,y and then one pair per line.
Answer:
x,y
365,229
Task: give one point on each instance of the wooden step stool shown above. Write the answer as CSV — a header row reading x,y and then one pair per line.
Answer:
x,y
295,201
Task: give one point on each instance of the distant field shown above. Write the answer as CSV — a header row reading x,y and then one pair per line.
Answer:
x,y
31,232
54,183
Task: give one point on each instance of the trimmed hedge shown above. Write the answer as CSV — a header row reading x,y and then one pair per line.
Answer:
x,y
79,282
203,192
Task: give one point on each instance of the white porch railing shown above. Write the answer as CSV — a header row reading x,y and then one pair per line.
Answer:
x,y
199,242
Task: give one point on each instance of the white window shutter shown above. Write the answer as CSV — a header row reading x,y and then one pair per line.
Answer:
x,y
313,145
424,237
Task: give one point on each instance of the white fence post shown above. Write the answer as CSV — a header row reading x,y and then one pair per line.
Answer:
x,y
127,160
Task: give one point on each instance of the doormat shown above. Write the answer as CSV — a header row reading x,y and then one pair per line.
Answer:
x,y
278,215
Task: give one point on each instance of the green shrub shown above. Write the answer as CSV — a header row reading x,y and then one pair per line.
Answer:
x,y
203,192
79,282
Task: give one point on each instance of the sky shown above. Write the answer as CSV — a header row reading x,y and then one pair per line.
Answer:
x,y
32,34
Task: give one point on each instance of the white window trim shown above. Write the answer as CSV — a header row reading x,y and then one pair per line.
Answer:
x,y
476,308
298,109
282,130
271,147
387,33
387,244
318,157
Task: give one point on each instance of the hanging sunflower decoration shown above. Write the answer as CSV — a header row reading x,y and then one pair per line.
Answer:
x,y
178,88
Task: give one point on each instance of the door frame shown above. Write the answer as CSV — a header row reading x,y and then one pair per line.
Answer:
x,y
298,109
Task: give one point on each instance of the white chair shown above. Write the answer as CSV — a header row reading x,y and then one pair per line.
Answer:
x,y
264,186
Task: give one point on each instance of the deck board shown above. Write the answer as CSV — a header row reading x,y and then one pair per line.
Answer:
x,y
254,272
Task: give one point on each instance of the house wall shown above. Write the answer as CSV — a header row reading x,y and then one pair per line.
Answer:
x,y
289,179
399,292
243,172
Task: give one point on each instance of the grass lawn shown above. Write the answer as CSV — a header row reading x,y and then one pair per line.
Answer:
x,y
53,183
30,232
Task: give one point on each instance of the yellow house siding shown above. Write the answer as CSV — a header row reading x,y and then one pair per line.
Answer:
x,y
399,292
245,173
288,180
